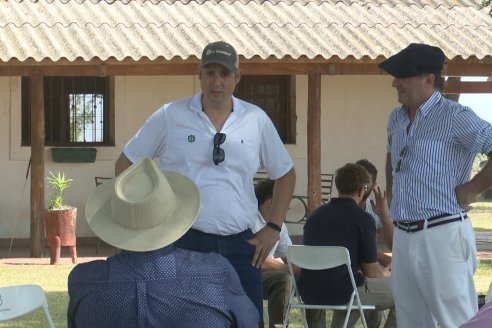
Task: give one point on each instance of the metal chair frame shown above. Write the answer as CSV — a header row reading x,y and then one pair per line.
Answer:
x,y
326,189
322,258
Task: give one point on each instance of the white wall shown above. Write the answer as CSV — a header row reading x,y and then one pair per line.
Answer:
x,y
354,114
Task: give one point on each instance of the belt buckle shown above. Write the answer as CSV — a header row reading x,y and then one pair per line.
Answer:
x,y
407,227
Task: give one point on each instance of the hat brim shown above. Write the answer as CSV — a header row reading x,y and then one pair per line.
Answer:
x,y
99,217
414,60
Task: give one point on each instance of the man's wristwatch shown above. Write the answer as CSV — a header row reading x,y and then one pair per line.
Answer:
x,y
274,226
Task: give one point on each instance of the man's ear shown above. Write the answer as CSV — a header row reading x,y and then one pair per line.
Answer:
x,y
430,79
238,76
360,193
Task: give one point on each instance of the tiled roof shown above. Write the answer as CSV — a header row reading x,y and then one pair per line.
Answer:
x,y
111,29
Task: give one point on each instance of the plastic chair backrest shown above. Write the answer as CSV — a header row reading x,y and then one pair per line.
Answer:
x,y
322,258
318,257
16,301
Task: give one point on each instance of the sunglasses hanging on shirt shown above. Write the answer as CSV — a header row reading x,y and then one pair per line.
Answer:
x,y
218,154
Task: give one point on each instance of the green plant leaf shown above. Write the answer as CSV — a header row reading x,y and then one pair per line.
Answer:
x,y
58,183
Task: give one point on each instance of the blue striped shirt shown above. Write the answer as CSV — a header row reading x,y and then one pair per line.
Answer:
x,y
433,157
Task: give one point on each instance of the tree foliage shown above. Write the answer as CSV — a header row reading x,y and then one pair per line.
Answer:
x,y
487,4
83,114
478,163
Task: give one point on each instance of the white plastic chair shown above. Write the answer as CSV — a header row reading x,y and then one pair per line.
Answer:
x,y
16,301
321,258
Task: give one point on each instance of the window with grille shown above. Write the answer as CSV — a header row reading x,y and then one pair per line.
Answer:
x,y
77,111
275,94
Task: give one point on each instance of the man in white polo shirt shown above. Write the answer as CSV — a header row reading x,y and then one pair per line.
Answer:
x,y
220,142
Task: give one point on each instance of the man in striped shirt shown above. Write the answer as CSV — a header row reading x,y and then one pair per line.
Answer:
x,y
432,142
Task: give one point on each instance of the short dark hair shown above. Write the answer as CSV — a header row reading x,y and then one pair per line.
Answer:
x,y
264,191
350,177
438,82
373,171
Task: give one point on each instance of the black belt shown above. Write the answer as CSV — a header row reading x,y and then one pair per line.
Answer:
x,y
414,226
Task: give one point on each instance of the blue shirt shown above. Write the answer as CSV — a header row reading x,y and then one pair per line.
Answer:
x,y
339,223
434,157
170,287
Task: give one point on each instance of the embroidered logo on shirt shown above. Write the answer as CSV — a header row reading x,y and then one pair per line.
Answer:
x,y
191,138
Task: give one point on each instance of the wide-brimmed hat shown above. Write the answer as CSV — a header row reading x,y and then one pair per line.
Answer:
x,y
143,209
222,53
414,60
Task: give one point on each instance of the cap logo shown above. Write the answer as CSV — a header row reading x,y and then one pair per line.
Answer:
x,y
210,52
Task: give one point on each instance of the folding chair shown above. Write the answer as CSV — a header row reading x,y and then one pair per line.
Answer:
x,y
16,301
101,180
322,258
488,298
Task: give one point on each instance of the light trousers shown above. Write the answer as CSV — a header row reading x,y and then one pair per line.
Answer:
x,y
432,275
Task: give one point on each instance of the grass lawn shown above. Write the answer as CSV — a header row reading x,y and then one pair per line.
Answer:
x,y
53,279
481,216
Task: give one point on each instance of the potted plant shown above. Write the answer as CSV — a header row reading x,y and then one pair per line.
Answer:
x,y
59,218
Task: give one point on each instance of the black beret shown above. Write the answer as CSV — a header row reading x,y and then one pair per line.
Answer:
x,y
414,60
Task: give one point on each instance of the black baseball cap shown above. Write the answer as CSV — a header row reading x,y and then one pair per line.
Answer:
x,y
414,60
222,53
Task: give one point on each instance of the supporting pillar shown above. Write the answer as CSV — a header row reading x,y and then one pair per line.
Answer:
x,y
37,162
314,142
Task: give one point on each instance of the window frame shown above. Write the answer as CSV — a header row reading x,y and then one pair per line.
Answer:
x,y
284,121
54,139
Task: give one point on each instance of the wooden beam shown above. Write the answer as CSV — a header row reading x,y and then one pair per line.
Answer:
x,y
467,87
37,162
248,68
468,69
314,142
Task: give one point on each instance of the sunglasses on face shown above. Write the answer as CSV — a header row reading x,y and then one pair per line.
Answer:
x,y
218,154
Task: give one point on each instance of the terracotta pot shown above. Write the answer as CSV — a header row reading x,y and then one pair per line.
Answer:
x,y
60,231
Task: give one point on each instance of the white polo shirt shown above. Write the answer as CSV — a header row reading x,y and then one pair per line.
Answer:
x,y
375,217
280,248
181,135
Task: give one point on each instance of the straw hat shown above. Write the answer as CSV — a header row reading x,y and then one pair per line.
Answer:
x,y
144,208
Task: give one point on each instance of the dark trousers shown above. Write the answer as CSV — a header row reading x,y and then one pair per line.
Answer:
x,y
237,250
276,289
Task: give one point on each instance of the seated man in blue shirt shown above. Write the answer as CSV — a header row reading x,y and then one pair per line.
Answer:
x,y
151,283
342,222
